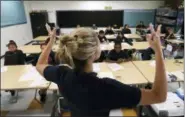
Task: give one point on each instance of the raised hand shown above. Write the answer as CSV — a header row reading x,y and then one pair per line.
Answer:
x,y
154,38
51,33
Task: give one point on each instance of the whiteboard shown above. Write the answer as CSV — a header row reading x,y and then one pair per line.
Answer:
x,y
132,17
12,13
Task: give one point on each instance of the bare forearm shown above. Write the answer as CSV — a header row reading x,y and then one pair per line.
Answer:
x,y
160,83
45,54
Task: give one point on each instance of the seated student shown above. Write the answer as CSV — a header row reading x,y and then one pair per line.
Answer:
x,y
117,55
140,25
101,36
126,29
169,34
119,38
109,31
94,27
14,57
51,61
87,94
115,26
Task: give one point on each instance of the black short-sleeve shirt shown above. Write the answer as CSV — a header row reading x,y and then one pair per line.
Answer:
x,y
90,96
113,55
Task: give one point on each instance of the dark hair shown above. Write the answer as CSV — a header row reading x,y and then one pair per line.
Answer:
x,y
101,32
117,43
125,25
11,42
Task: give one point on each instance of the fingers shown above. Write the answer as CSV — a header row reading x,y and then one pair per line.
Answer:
x,y
159,29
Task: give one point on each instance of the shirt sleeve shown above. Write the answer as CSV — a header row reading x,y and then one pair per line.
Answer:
x,y
55,73
52,73
116,95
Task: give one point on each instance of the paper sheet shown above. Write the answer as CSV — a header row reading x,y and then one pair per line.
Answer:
x,y
169,48
116,113
178,74
103,47
115,66
39,82
106,75
4,69
96,67
153,63
173,104
32,75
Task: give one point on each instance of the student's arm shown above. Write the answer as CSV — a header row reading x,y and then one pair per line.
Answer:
x,y
5,60
43,59
158,92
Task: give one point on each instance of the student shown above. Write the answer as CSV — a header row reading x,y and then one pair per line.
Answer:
x,y
169,34
87,94
117,55
14,57
101,36
140,25
51,61
119,38
109,31
126,29
94,27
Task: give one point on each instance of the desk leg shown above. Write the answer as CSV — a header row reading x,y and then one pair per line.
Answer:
x,y
35,97
179,84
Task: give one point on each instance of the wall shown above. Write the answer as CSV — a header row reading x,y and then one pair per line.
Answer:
x,y
21,34
52,6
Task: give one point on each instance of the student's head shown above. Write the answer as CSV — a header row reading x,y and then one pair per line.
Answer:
x,y
170,30
79,49
117,47
120,35
12,46
126,26
101,33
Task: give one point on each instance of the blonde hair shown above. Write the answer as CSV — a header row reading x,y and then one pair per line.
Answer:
x,y
80,45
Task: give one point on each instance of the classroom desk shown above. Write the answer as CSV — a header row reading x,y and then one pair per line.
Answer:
x,y
22,77
125,75
41,38
175,41
148,70
111,37
132,36
30,49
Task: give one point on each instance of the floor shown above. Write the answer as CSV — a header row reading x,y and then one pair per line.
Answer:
x,y
27,106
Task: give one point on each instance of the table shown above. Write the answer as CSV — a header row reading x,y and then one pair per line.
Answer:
x,y
30,49
148,70
132,36
125,75
175,41
41,38
111,37
17,77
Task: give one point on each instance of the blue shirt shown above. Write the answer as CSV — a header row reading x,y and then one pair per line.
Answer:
x,y
89,95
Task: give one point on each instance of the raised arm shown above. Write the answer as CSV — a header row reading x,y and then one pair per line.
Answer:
x,y
158,92
43,59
